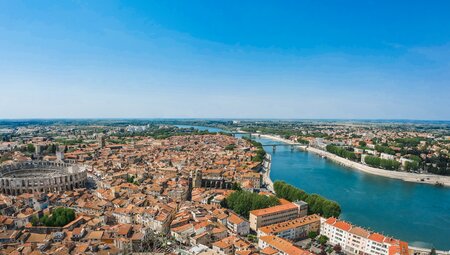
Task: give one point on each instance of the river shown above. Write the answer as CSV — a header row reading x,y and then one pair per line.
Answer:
x,y
416,213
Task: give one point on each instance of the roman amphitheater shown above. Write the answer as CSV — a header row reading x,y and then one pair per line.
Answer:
x,y
40,176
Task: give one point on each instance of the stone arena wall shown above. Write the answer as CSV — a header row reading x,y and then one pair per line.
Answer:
x,y
55,177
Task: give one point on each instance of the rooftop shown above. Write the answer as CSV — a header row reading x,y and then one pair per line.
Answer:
x,y
280,227
274,209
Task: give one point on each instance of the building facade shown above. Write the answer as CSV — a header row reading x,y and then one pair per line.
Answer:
x,y
356,240
276,214
292,229
40,176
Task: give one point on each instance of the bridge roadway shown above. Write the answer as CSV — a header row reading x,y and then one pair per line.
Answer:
x,y
284,144
274,145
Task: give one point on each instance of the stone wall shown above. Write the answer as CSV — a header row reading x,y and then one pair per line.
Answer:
x,y
55,177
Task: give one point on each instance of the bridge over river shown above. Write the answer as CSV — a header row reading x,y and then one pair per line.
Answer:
x,y
416,213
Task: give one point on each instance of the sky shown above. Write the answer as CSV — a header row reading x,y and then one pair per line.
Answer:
x,y
225,59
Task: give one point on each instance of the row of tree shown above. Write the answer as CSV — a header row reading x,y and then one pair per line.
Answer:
x,y
412,166
242,202
438,165
377,162
46,150
341,152
316,203
384,149
59,217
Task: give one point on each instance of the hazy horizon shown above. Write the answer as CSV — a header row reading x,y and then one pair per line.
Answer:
x,y
226,119
234,60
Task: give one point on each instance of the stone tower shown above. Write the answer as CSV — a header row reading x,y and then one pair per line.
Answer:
x,y
101,140
197,179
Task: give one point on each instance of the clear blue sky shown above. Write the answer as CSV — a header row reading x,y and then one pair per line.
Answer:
x,y
230,59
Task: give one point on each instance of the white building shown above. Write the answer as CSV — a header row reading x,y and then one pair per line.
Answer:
x,y
279,246
356,240
238,225
387,156
403,161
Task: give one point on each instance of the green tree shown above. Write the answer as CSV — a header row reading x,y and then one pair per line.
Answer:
x,y
322,239
312,234
316,203
30,148
341,152
242,202
411,166
59,217
236,186
230,147
433,251
35,220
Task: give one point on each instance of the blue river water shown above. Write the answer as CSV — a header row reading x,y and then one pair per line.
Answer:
x,y
416,213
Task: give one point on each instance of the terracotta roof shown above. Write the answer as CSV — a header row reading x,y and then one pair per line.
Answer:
x,y
280,227
343,225
274,209
283,245
359,232
95,235
36,238
222,245
376,237
234,219
269,251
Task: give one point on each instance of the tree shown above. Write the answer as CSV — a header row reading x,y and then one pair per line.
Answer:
x,y
312,234
341,152
433,251
414,165
337,248
316,203
242,202
236,186
385,149
230,147
377,162
30,148
252,238
60,217
322,239
130,179
35,220
362,143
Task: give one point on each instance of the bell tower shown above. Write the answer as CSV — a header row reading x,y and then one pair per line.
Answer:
x,y
197,179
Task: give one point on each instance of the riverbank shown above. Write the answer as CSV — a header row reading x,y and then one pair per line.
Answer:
x,y
405,176
268,183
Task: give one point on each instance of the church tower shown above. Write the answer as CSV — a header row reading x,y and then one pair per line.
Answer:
x,y
197,179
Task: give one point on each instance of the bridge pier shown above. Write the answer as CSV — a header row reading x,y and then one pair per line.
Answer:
x,y
274,148
292,148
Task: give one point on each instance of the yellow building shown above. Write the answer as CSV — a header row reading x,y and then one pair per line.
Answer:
x,y
292,229
276,214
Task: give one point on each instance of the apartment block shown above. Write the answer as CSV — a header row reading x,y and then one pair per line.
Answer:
x,y
292,229
276,214
238,225
356,240
279,246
